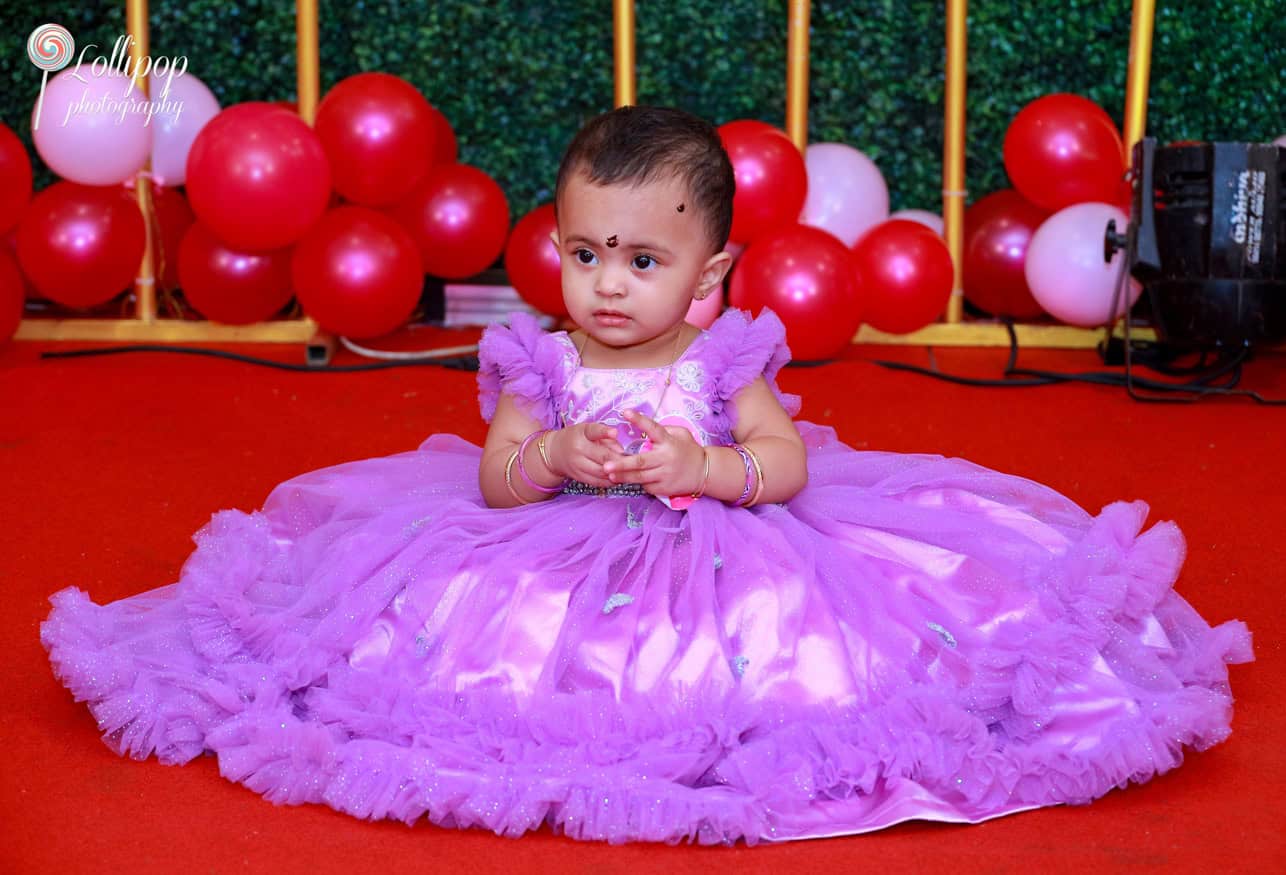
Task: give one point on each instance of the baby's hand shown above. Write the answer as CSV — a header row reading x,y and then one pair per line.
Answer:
x,y
580,451
672,465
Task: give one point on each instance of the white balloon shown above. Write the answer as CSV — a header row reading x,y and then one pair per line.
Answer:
x,y
846,191
1066,271
932,221
180,115
1280,141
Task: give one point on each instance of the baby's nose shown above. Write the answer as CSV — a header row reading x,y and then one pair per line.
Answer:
x,y
611,286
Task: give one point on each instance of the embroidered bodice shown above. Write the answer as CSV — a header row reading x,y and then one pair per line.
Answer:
x,y
542,371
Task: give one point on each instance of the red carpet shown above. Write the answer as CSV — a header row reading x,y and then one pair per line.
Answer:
x,y
111,463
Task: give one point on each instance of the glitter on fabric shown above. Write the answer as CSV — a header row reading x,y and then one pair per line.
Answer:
x,y
910,637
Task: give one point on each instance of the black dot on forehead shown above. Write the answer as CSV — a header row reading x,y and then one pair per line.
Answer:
x,y
611,242
680,208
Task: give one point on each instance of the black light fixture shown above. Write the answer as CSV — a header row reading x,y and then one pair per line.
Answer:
x,y
1207,240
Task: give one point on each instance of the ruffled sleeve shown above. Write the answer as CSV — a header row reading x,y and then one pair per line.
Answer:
x,y
520,360
741,349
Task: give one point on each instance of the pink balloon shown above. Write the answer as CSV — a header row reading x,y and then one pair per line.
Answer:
x,y
1065,267
181,115
932,221
846,192
91,131
1280,141
703,313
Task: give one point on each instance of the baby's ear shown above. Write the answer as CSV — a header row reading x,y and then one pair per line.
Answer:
x,y
553,235
712,274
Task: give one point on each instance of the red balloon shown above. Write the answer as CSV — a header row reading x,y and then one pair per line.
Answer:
x,y
11,246
532,261
905,273
445,148
997,230
458,218
15,178
805,276
257,176
379,134
12,296
235,288
174,217
357,273
1063,149
772,181
747,126
81,245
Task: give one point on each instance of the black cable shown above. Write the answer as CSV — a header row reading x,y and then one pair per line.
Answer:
x,y
1198,387
459,363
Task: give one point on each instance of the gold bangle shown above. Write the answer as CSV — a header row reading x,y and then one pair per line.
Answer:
x,y
701,490
759,477
509,478
540,448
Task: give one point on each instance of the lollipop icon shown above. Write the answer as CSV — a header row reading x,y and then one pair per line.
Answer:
x,y
49,47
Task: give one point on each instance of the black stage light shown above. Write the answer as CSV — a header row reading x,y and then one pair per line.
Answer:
x,y
1207,241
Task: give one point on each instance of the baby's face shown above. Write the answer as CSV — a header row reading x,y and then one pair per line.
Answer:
x,y
633,257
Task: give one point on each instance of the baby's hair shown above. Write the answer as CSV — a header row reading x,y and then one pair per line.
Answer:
x,y
637,144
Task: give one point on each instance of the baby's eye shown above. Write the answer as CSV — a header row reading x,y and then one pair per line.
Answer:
x,y
584,256
643,262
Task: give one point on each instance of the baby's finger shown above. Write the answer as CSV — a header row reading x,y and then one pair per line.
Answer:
x,y
628,476
610,442
597,431
648,426
592,477
627,463
634,474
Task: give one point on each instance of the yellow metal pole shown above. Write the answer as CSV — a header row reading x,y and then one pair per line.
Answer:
x,y
145,280
953,152
797,73
321,344
307,69
1136,84
623,30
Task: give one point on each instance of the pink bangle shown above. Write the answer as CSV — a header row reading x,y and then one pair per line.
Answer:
x,y
522,466
759,476
745,458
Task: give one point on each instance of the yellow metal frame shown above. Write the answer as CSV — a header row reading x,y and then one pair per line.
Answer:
x,y
623,50
145,325
953,331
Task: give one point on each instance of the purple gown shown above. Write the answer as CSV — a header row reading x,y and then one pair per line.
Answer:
x,y
910,637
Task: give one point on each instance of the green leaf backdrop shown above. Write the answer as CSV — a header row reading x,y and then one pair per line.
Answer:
x,y
517,78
